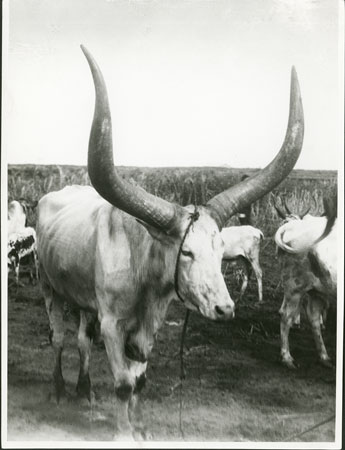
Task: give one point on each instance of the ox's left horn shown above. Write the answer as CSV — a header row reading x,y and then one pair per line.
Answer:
x,y
234,199
103,174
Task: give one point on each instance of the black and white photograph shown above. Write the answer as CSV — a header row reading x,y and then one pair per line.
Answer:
x,y
171,185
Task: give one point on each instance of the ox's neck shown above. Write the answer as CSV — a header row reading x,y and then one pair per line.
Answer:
x,y
156,277
155,291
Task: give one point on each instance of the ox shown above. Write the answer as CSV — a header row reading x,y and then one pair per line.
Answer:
x,y
124,254
308,257
243,244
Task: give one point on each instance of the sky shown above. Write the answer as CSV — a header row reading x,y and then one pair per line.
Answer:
x,y
190,82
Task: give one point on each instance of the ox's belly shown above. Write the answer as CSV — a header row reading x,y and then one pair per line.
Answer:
x,y
67,267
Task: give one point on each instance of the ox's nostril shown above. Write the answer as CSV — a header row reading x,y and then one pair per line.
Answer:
x,y
219,311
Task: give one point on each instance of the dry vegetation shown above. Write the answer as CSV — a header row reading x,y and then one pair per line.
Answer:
x,y
181,185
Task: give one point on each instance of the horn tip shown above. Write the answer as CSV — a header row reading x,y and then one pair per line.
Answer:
x,y
84,49
294,77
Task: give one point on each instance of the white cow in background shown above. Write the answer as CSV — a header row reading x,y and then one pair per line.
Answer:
x,y
307,251
243,243
16,217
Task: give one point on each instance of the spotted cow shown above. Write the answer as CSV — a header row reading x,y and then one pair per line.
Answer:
x,y
21,246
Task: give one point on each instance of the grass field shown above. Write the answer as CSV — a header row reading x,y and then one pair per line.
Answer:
x,y
235,389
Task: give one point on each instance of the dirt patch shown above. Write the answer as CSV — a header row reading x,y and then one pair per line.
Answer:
x,y
235,389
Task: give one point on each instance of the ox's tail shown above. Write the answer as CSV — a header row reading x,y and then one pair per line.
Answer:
x,y
279,240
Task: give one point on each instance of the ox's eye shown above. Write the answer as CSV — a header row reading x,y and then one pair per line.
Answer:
x,y
187,253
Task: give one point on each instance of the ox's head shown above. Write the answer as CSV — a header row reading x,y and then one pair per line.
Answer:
x,y
197,247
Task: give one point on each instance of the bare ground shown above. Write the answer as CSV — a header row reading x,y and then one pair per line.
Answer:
x,y
235,388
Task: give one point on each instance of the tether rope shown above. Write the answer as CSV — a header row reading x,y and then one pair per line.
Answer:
x,y
193,217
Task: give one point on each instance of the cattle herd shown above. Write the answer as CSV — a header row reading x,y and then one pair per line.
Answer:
x,y
121,255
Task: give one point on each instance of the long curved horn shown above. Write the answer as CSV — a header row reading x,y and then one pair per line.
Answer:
x,y
237,197
103,174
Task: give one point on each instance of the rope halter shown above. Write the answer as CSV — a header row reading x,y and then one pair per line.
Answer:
x,y
192,218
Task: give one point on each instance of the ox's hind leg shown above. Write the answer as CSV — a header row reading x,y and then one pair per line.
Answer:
x,y
258,274
315,308
289,311
54,306
34,278
85,338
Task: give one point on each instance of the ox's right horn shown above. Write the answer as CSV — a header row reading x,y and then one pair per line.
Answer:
x,y
103,174
305,212
238,197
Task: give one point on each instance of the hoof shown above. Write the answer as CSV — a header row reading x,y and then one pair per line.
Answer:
x,y
123,437
141,435
260,302
326,363
58,400
83,387
86,401
289,363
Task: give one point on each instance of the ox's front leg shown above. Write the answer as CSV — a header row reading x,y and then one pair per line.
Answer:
x,y
124,379
85,339
135,408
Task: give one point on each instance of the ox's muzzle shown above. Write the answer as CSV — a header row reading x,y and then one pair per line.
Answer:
x,y
224,313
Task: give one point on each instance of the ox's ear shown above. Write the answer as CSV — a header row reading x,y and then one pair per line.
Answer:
x,y
155,232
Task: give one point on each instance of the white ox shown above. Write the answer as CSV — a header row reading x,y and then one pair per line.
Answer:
x,y
123,255
243,243
16,217
307,250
